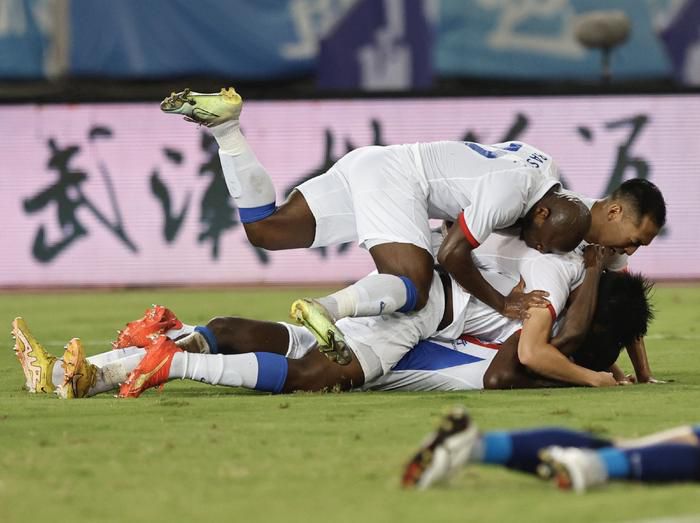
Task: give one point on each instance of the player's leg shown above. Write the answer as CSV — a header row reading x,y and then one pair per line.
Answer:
x,y
263,371
290,226
580,469
458,443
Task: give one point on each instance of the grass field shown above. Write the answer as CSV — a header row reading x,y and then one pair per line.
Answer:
x,y
198,453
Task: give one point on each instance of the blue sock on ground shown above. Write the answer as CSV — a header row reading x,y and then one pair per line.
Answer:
x,y
519,450
658,463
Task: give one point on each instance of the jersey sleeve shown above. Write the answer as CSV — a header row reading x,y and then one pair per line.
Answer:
x,y
553,275
497,201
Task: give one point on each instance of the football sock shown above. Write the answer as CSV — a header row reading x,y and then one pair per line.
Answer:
x,y
247,180
258,370
174,334
656,463
519,450
202,340
114,373
113,355
373,295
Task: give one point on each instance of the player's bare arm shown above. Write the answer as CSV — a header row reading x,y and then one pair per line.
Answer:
x,y
582,302
455,255
536,353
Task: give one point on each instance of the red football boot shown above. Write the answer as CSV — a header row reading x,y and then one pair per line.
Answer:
x,y
140,333
153,370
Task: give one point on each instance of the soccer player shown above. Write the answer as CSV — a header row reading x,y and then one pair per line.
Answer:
x,y
383,197
239,356
575,460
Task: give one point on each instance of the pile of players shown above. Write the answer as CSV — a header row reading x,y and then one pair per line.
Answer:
x,y
525,285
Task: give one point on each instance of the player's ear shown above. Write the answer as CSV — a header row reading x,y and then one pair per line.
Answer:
x,y
541,214
614,211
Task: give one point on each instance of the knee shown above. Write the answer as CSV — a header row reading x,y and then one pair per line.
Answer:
x,y
416,294
498,380
258,235
219,325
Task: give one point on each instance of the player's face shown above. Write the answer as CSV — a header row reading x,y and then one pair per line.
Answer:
x,y
626,233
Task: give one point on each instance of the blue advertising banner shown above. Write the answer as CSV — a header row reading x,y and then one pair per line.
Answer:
x,y
535,39
26,28
245,39
271,39
381,44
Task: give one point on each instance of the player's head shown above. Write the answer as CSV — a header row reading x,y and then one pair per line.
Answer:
x,y
556,223
622,314
634,214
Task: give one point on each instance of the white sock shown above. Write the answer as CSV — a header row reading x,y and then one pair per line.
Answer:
x,y
113,355
174,334
373,295
57,373
194,340
232,370
112,374
247,180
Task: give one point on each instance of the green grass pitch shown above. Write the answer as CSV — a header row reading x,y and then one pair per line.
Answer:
x,y
199,453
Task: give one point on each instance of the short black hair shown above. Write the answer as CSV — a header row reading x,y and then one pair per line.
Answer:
x,y
623,313
645,198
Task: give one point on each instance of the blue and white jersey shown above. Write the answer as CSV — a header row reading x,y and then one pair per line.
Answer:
x,y
439,366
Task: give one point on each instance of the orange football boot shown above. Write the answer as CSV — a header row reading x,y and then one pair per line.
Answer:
x,y
153,370
140,333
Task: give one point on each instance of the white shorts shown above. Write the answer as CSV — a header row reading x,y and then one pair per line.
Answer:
x,y
372,195
437,365
379,342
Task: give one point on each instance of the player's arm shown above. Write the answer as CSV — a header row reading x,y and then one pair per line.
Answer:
x,y
582,303
536,353
506,371
637,353
455,255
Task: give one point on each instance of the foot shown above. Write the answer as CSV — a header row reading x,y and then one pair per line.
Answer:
x,y
208,109
79,375
37,364
140,333
443,453
572,468
153,370
314,316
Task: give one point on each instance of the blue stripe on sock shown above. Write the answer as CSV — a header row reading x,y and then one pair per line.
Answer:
x,y
272,371
616,462
255,214
209,336
411,295
498,447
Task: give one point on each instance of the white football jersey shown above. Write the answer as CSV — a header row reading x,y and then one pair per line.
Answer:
x,y
484,187
503,259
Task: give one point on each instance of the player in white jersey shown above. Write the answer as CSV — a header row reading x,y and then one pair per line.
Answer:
x,y
378,344
240,352
630,217
383,198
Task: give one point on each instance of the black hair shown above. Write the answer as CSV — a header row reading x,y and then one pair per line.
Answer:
x,y
645,198
622,315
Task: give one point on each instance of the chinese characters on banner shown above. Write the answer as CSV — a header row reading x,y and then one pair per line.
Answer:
x,y
107,194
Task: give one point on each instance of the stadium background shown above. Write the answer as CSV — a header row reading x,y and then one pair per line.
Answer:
x,y
98,188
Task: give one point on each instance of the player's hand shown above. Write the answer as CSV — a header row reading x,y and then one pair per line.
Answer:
x,y
604,379
518,302
597,256
651,379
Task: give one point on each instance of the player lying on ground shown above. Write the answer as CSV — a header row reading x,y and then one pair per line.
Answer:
x,y
383,197
228,351
376,344
576,460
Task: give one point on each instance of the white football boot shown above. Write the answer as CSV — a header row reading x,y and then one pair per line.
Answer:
x,y
208,109
572,468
